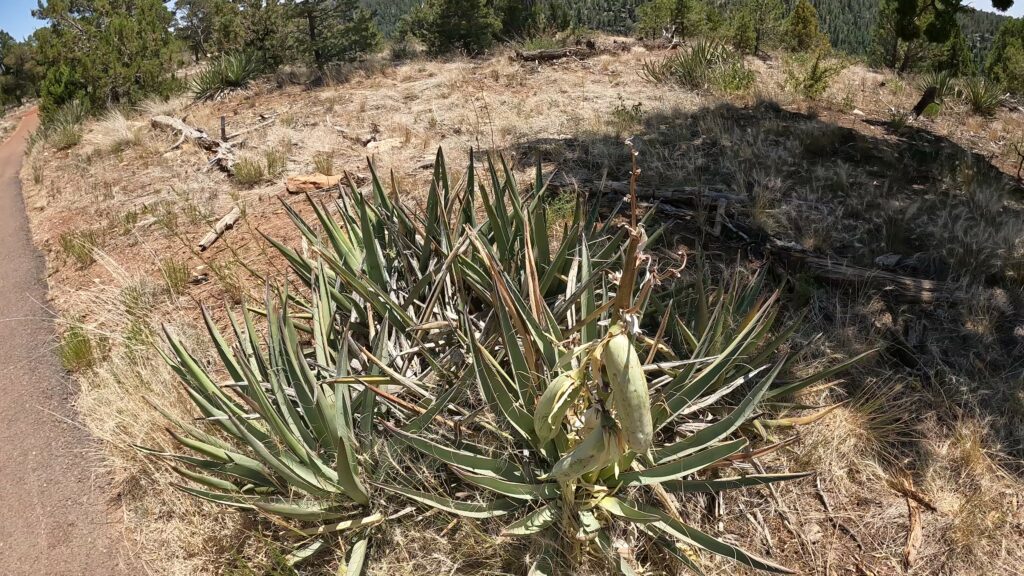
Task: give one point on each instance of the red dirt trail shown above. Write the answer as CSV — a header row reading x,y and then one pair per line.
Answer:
x,y
55,513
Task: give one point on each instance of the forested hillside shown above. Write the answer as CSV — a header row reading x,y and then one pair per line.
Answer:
x,y
388,13
848,23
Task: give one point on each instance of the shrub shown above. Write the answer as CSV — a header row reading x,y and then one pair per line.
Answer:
x,y
982,95
227,73
810,76
708,65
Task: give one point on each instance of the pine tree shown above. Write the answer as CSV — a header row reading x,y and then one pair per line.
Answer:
x,y
208,26
803,33
1006,59
105,51
446,25
679,18
335,30
764,18
955,56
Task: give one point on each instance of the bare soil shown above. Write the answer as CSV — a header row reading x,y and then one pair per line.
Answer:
x,y
56,518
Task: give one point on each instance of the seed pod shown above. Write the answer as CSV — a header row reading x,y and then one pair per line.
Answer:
x,y
629,390
596,451
555,402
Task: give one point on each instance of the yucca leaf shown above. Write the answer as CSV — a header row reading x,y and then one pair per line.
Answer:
x,y
721,428
465,509
681,467
466,460
620,508
802,383
300,511
517,490
533,522
690,535
345,525
356,559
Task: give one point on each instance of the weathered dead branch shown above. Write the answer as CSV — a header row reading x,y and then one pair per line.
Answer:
x,y
550,54
224,154
223,225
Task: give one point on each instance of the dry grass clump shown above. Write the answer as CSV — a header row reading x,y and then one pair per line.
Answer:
x,y
79,245
114,132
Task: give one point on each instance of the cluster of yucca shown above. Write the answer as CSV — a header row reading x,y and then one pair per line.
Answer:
x,y
226,73
580,385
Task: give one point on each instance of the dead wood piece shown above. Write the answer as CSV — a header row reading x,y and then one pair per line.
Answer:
x,y
270,120
224,154
914,534
310,183
223,225
904,288
550,54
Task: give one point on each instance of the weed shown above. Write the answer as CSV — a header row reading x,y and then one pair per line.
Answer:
x,y
37,172
77,351
276,161
249,172
176,275
324,163
627,117
79,245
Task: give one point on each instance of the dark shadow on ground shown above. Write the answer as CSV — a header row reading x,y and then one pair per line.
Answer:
x,y
908,201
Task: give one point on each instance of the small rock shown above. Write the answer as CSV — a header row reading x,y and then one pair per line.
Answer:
x,y
857,112
384,145
310,183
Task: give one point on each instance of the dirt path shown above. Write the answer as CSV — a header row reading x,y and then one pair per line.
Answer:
x,y
55,515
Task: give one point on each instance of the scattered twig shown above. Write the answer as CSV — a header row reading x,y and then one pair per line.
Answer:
x,y
914,534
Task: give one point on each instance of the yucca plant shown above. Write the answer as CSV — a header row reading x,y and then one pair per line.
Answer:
x,y
708,65
982,95
227,73
278,437
607,382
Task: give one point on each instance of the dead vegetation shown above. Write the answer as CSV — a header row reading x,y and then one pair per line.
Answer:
x,y
931,429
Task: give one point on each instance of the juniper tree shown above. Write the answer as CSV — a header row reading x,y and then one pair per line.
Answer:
x,y
105,51
803,32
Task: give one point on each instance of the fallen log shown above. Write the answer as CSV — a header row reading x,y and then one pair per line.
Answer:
x,y
550,54
905,288
224,154
223,225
